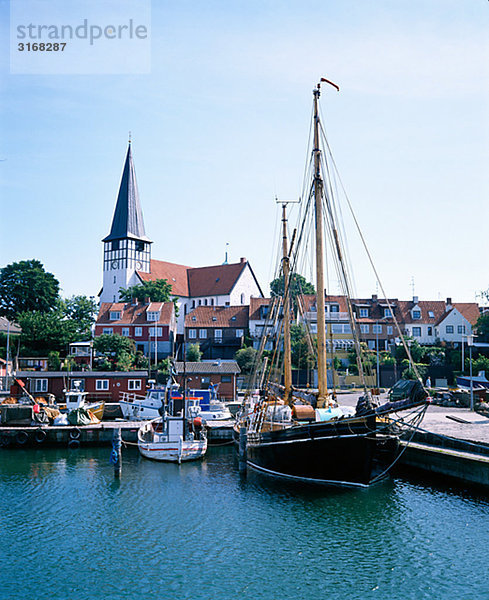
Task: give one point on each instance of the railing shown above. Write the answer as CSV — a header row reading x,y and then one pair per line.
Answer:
x,y
330,316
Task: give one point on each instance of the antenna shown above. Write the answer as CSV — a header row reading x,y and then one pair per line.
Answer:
x,y
412,285
226,255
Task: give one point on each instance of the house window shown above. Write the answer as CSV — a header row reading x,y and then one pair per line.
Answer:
x,y
449,329
101,384
334,308
371,344
461,329
134,384
212,301
138,331
108,330
218,333
125,331
337,328
239,333
225,378
416,314
202,334
153,315
205,301
389,329
115,315
156,331
431,314
200,302
377,328
192,334
242,298
193,303
364,328
206,380
364,312
430,330
387,313
40,386
416,331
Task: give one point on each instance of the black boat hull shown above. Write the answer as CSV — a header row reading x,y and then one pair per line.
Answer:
x,y
345,453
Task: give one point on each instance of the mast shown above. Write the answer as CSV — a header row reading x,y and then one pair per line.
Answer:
x,y
321,316
286,275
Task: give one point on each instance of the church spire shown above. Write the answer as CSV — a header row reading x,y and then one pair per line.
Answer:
x,y
128,216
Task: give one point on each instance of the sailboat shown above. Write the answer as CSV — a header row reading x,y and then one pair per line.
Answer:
x,y
304,435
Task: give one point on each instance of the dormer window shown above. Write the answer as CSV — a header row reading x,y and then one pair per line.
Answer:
x,y
213,318
364,312
115,315
233,318
387,313
153,315
416,314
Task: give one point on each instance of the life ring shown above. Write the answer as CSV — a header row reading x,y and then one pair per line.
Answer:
x,y
40,436
22,437
75,434
73,444
4,441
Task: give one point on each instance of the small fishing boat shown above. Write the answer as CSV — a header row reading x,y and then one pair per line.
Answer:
x,y
76,398
177,436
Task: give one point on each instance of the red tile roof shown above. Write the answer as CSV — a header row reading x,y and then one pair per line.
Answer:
x,y
309,302
134,314
218,316
470,310
187,282
176,275
255,305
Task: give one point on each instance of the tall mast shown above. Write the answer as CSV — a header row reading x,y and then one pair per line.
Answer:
x,y
286,275
321,316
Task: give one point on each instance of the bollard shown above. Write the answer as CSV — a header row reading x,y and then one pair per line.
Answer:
x,y
242,450
115,456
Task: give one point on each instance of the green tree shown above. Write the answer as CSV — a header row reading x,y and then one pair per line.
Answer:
x,y
115,349
302,357
43,332
193,353
82,311
417,351
298,285
157,291
26,286
246,358
482,327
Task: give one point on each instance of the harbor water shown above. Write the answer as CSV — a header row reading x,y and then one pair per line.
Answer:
x,y
69,530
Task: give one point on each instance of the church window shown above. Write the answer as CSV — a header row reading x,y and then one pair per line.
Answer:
x,y
242,298
139,246
115,245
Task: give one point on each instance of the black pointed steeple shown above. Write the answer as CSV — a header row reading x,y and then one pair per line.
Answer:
x,y
128,216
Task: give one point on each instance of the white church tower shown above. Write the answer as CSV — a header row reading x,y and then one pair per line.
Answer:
x,y
126,248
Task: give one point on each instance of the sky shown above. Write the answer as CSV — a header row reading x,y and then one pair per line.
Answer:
x,y
219,128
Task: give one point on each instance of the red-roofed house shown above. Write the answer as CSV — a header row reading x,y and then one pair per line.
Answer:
x,y
152,325
219,330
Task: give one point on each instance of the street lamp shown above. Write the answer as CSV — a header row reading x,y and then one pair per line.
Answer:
x,y
470,343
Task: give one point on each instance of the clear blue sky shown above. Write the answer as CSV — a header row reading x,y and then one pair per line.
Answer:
x,y
220,127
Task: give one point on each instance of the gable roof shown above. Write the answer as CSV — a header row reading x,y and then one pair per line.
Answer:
x,y
217,280
128,215
218,316
135,314
255,305
469,310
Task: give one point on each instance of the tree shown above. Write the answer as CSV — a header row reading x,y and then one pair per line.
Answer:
x,y
157,291
193,353
26,286
246,358
117,350
42,332
82,311
417,351
482,327
302,357
298,285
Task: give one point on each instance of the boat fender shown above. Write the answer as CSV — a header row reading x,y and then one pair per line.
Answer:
x,y
22,437
40,436
75,434
73,444
197,423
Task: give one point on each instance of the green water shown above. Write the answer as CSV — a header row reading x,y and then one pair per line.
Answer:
x,y
69,530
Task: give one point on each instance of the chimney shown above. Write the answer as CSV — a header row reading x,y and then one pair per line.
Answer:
x,y
374,297
415,299
147,300
242,260
448,304
134,301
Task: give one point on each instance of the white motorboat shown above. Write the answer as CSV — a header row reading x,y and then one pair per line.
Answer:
x,y
177,436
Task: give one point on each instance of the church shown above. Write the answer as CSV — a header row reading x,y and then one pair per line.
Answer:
x,y
127,262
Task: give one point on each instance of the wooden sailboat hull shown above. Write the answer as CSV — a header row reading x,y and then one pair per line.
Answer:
x,y
342,454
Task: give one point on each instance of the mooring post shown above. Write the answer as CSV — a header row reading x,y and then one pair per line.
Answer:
x,y
243,438
115,457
